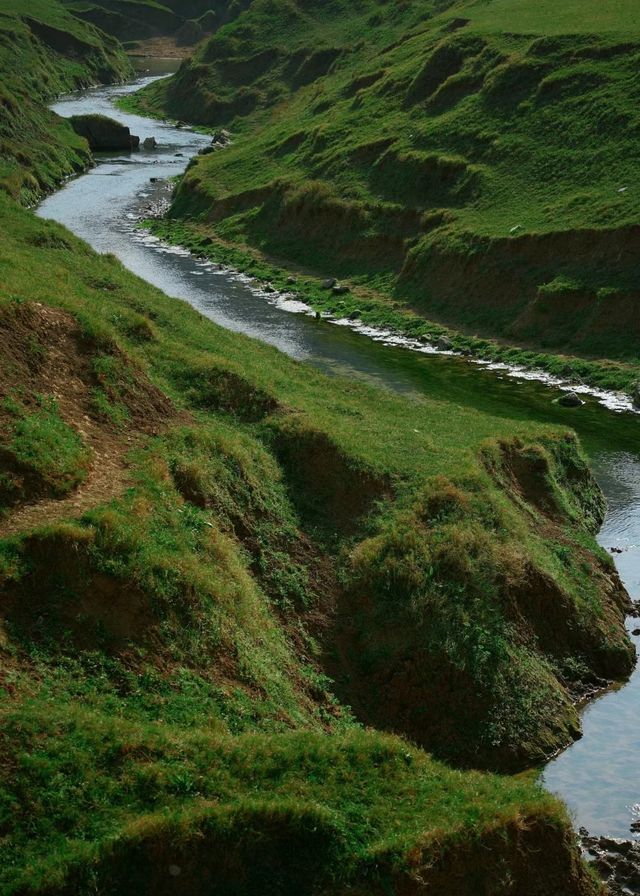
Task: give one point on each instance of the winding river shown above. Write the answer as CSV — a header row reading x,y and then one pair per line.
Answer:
x,y
599,776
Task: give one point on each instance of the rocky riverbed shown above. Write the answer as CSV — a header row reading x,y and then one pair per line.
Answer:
x,y
616,861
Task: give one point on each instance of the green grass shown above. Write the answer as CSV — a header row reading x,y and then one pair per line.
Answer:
x,y
183,614
329,795
336,453
460,171
619,17
44,51
38,445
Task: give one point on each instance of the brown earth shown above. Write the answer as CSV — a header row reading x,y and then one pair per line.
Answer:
x,y
495,285
45,348
160,48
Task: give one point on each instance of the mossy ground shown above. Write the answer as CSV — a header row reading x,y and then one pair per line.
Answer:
x,y
476,167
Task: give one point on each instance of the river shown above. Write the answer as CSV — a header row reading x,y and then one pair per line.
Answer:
x,y
599,776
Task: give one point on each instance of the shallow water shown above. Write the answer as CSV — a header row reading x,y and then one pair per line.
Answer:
x,y
599,777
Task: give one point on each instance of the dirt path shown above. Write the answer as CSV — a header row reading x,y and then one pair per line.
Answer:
x,y
108,478
64,374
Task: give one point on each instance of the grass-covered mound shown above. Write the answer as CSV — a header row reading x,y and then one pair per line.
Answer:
x,y
477,164
302,813
45,51
267,548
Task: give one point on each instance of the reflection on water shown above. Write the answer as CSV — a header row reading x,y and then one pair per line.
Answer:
x,y
599,776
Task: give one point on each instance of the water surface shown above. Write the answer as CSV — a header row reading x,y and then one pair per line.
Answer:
x,y
599,776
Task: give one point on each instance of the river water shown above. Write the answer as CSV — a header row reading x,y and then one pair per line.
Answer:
x,y
599,776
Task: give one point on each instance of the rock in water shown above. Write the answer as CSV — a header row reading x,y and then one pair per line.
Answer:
x,y
104,134
570,400
150,143
444,344
635,395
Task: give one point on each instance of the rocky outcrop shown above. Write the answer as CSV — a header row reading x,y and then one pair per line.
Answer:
x,y
104,134
616,861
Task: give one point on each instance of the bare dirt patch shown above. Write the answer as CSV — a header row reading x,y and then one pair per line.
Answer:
x,y
160,48
45,355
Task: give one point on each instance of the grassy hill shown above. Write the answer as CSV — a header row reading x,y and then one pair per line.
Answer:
x,y
45,51
248,612
204,562
476,165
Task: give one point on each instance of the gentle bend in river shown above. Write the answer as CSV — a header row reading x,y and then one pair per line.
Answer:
x,y
599,777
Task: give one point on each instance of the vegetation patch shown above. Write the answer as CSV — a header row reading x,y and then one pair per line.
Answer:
x,y
40,453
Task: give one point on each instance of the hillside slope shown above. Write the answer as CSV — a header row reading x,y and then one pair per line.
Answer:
x,y
212,557
132,20
176,635
477,165
45,51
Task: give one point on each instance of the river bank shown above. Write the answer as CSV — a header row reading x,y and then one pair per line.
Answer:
x,y
300,295
180,612
432,218
366,308
241,301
